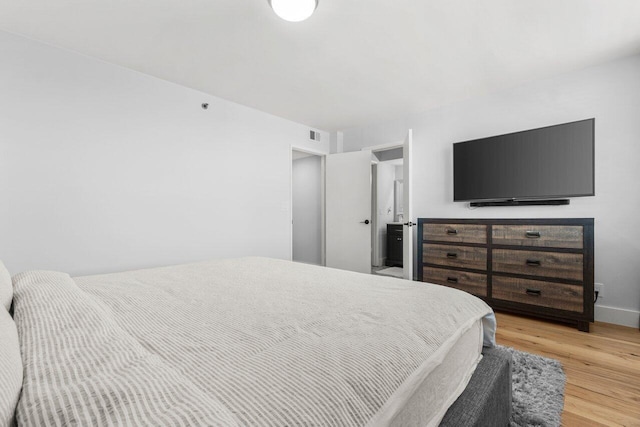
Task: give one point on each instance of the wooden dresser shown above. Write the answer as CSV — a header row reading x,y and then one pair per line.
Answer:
x,y
537,267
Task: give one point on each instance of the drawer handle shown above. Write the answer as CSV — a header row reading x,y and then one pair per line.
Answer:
x,y
452,231
532,234
452,255
533,263
534,292
452,279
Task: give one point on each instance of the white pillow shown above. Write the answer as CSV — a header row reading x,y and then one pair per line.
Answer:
x,y
6,288
10,369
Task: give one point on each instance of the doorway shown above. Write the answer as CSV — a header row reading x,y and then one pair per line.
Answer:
x,y
307,207
349,208
391,209
387,212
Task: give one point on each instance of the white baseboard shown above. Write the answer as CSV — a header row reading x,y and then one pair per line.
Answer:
x,y
617,316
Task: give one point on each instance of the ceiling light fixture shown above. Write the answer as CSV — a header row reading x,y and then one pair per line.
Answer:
x,y
294,10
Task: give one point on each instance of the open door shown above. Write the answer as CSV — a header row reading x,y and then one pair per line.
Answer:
x,y
407,229
348,211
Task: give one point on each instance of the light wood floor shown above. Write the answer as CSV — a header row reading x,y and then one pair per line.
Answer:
x,y
602,367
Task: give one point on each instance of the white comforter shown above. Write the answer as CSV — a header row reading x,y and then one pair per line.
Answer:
x,y
235,342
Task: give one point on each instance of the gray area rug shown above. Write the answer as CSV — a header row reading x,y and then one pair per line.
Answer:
x,y
538,390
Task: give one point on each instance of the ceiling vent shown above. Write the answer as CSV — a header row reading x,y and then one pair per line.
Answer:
x,y
314,135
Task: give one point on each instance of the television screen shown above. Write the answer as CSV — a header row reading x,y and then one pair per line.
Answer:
x,y
546,163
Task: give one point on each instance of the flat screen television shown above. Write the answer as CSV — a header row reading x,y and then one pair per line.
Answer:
x,y
539,164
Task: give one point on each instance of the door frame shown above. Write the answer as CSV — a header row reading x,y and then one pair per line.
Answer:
x,y
375,247
323,156
384,147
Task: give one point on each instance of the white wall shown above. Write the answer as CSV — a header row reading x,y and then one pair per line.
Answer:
x,y
103,168
398,196
611,94
307,210
399,171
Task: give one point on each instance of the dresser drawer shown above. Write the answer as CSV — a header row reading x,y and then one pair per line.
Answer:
x,y
536,263
536,292
548,236
455,233
455,256
474,283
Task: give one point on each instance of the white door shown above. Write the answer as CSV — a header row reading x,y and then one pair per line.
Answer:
x,y
348,211
407,229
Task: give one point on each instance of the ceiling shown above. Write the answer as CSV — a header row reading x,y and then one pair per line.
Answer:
x,y
353,62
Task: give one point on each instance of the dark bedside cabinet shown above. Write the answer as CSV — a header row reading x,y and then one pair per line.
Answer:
x,y
394,245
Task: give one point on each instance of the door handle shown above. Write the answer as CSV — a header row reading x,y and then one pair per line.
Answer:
x,y
409,224
366,221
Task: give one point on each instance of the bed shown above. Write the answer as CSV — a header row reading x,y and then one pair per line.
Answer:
x,y
245,342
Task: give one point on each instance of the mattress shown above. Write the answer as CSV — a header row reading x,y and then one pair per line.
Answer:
x,y
443,385
243,342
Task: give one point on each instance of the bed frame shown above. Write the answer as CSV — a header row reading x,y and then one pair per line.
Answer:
x,y
487,399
